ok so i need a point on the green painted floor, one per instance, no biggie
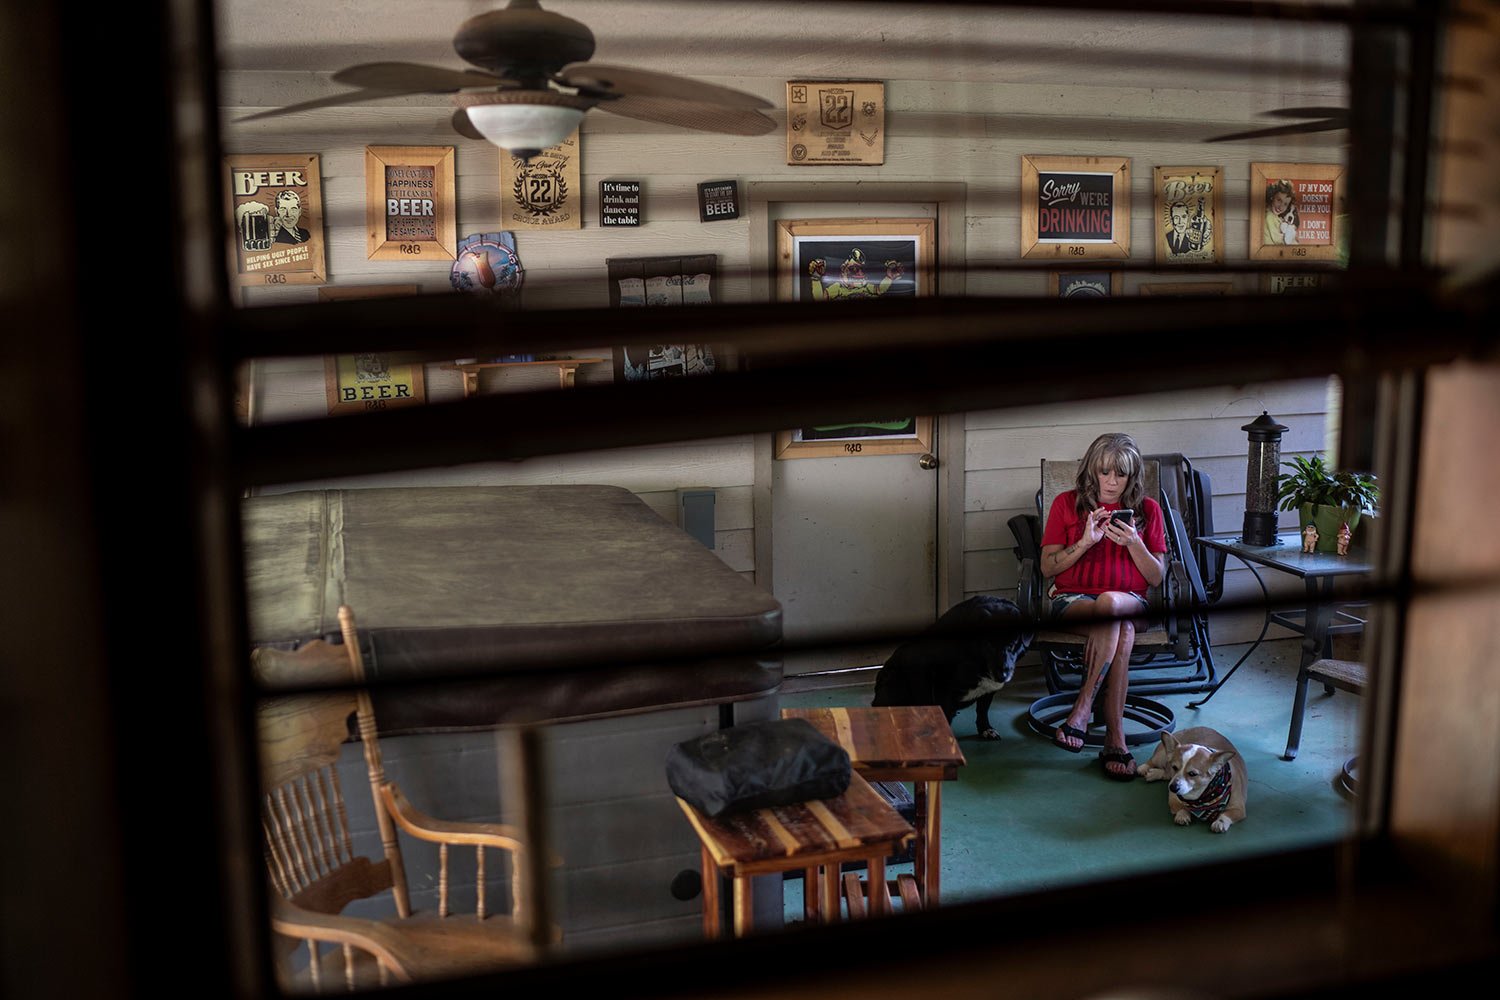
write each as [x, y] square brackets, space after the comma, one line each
[1024, 815]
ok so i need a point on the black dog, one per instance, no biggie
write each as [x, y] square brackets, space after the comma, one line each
[962, 659]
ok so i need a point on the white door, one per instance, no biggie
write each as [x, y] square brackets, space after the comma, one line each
[853, 538]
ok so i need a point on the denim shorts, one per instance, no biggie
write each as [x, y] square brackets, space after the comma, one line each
[1061, 602]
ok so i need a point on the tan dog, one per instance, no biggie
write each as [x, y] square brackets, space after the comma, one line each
[1206, 777]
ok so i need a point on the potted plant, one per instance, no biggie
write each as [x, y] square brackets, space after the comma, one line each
[1326, 499]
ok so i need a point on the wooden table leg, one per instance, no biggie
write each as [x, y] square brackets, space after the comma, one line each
[744, 905]
[919, 846]
[810, 895]
[880, 896]
[828, 894]
[710, 896]
[931, 837]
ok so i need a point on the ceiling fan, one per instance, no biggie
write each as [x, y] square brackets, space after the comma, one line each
[1324, 120]
[534, 82]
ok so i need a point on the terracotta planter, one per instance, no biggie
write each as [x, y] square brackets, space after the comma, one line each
[1327, 520]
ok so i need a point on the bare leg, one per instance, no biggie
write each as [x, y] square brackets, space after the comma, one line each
[1118, 678]
[1100, 640]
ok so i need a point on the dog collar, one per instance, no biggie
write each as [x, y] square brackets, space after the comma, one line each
[1214, 800]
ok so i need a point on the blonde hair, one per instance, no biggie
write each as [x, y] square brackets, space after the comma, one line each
[1111, 451]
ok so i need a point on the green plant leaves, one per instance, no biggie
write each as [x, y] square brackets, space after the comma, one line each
[1312, 481]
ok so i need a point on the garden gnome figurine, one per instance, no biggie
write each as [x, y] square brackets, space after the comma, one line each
[1344, 539]
[1310, 539]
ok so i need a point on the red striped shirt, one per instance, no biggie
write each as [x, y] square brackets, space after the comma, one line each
[1106, 566]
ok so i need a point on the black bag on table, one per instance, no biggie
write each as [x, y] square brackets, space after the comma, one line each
[756, 766]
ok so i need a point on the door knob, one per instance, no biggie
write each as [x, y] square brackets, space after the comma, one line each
[928, 461]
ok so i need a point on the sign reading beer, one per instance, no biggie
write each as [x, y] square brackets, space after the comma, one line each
[718, 200]
[1296, 211]
[543, 192]
[1189, 211]
[409, 212]
[1075, 207]
[276, 203]
[361, 383]
[830, 122]
[619, 203]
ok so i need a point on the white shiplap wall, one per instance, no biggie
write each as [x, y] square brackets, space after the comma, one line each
[944, 128]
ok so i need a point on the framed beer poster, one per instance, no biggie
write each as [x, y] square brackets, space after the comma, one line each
[1075, 207]
[409, 208]
[1084, 284]
[1296, 211]
[1189, 213]
[544, 192]
[361, 383]
[846, 260]
[276, 204]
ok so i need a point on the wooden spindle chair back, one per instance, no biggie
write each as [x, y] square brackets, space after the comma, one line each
[309, 854]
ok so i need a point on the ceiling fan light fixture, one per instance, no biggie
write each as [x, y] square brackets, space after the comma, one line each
[525, 121]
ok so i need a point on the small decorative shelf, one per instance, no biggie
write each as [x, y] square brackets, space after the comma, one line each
[566, 369]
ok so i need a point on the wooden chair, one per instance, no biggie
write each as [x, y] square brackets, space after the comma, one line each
[314, 872]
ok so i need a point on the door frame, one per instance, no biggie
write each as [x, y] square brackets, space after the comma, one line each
[951, 199]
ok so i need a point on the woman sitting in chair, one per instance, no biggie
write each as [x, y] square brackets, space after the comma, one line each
[1102, 549]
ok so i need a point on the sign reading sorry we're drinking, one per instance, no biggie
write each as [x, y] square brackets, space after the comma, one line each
[1075, 207]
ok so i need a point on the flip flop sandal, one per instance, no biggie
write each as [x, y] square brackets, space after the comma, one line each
[1118, 757]
[1073, 733]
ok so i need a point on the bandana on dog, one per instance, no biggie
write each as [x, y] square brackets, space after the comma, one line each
[1213, 801]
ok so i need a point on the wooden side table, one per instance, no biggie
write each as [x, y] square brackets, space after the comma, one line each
[900, 743]
[858, 825]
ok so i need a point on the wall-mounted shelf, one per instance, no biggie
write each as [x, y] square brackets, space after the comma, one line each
[566, 369]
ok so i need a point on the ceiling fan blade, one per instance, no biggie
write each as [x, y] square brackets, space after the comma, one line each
[332, 101]
[1327, 125]
[690, 114]
[633, 82]
[464, 127]
[413, 78]
[1309, 112]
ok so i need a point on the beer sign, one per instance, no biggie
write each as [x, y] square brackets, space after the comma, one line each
[1189, 214]
[544, 192]
[365, 383]
[835, 123]
[1075, 207]
[409, 203]
[276, 210]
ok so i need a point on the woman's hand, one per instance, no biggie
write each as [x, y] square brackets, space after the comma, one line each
[1121, 532]
[1094, 528]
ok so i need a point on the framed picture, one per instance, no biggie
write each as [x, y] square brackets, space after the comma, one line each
[1075, 207]
[276, 207]
[1296, 211]
[1084, 284]
[663, 281]
[840, 260]
[360, 383]
[1189, 215]
[1188, 288]
[409, 206]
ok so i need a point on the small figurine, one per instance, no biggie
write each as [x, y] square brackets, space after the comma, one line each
[1344, 539]
[1310, 538]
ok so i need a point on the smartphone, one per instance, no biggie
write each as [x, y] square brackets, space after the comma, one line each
[1122, 515]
